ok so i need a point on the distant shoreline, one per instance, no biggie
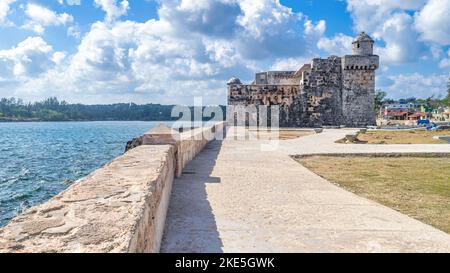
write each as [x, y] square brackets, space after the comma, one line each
[12, 120]
[7, 120]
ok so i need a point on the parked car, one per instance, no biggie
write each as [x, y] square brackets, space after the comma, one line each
[423, 122]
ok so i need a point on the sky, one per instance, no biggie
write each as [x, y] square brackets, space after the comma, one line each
[168, 51]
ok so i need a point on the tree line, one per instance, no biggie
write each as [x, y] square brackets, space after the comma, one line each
[432, 101]
[51, 109]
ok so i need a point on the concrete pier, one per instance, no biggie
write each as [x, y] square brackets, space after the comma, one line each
[236, 198]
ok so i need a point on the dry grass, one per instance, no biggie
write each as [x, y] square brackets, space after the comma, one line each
[404, 137]
[416, 186]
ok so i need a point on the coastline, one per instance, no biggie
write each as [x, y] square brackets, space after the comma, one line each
[10, 120]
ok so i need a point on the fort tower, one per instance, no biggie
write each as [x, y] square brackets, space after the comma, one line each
[358, 83]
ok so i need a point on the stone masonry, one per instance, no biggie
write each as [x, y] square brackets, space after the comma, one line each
[328, 92]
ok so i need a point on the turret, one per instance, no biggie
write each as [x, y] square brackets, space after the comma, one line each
[363, 45]
[233, 81]
[358, 83]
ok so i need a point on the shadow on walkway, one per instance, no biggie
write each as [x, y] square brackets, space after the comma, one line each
[190, 224]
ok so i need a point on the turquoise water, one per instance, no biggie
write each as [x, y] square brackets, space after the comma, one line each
[37, 159]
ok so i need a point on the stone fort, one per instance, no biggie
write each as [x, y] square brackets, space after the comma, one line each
[327, 92]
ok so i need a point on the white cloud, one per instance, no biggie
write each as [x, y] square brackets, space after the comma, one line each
[181, 55]
[339, 45]
[416, 85]
[401, 40]
[70, 2]
[315, 30]
[5, 7]
[31, 57]
[390, 21]
[433, 21]
[41, 16]
[195, 45]
[213, 18]
[368, 15]
[444, 63]
[73, 2]
[112, 8]
[74, 31]
[271, 30]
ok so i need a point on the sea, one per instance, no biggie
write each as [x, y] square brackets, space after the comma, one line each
[38, 160]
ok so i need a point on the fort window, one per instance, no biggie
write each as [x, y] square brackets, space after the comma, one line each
[359, 45]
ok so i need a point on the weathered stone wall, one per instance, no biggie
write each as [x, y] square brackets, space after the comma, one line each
[358, 90]
[315, 103]
[322, 94]
[329, 92]
[258, 94]
[121, 207]
[277, 77]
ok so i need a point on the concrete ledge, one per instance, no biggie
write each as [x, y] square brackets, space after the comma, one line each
[121, 207]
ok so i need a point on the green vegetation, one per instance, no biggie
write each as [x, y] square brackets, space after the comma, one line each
[446, 101]
[380, 98]
[51, 109]
[416, 186]
[432, 102]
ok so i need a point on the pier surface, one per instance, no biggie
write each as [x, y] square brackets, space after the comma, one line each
[234, 197]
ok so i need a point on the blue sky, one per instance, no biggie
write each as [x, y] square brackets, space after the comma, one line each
[167, 51]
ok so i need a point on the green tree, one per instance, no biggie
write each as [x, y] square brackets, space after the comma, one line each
[380, 97]
[446, 100]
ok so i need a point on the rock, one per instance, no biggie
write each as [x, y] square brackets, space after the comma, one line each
[133, 143]
[351, 138]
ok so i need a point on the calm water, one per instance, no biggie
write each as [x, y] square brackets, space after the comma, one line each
[37, 158]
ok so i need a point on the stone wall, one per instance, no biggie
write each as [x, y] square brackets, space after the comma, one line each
[329, 92]
[277, 77]
[120, 207]
[258, 94]
[358, 90]
[315, 100]
[322, 104]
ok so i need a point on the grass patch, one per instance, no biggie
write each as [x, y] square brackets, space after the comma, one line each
[403, 137]
[416, 186]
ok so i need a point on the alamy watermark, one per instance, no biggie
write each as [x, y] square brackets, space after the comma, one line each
[244, 122]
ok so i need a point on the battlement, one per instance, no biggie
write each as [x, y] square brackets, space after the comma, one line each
[358, 62]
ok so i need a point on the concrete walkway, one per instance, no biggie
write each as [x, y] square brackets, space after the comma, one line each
[236, 198]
